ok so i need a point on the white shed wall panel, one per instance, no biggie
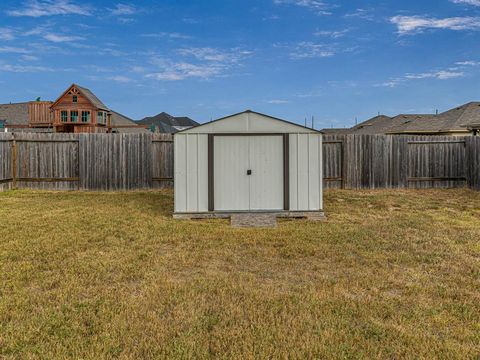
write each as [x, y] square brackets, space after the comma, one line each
[305, 172]
[191, 172]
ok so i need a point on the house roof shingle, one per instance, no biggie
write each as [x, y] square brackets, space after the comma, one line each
[92, 98]
[458, 119]
[14, 114]
[122, 120]
[168, 123]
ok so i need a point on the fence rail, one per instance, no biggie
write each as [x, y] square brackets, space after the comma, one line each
[145, 161]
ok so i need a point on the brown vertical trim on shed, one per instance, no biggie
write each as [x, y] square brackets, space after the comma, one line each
[286, 171]
[211, 199]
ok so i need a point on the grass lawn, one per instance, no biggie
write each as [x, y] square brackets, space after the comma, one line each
[391, 274]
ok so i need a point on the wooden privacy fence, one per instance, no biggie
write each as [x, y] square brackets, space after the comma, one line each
[86, 161]
[382, 161]
[145, 161]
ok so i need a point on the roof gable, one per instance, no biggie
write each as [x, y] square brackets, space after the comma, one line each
[470, 115]
[90, 96]
[248, 122]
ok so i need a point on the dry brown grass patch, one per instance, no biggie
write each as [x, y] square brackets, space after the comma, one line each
[391, 274]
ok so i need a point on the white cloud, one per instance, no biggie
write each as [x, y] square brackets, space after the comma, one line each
[112, 52]
[320, 7]
[168, 35]
[415, 24]
[38, 30]
[468, 63]
[38, 8]
[123, 9]
[183, 70]
[277, 102]
[332, 34]
[23, 69]
[202, 63]
[138, 69]
[14, 50]
[29, 58]
[446, 74]
[440, 75]
[120, 79]
[365, 14]
[309, 50]
[7, 34]
[214, 55]
[467, 2]
[61, 38]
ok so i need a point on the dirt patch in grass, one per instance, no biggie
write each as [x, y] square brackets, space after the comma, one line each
[391, 274]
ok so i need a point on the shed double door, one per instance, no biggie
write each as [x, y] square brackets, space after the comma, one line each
[248, 173]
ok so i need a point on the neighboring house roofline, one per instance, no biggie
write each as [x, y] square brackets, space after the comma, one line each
[407, 132]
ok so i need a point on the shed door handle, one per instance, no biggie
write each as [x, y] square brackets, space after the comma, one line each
[249, 172]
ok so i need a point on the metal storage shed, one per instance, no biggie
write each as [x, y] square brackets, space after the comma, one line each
[248, 162]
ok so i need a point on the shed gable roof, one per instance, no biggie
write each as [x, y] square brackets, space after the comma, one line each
[249, 122]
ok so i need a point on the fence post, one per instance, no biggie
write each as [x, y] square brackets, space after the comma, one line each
[14, 162]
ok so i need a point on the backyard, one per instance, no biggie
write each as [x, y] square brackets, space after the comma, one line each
[391, 274]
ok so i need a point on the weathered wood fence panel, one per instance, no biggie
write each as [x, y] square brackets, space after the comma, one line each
[332, 162]
[46, 161]
[115, 162]
[6, 167]
[438, 162]
[380, 161]
[162, 155]
[473, 162]
[145, 161]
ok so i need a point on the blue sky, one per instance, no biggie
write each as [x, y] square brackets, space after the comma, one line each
[334, 60]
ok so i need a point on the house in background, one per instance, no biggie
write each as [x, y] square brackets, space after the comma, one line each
[166, 123]
[460, 121]
[77, 110]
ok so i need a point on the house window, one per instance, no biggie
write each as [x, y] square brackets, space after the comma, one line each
[75, 98]
[73, 116]
[85, 116]
[100, 119]
[64, 116]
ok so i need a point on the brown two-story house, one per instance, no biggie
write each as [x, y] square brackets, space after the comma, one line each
[78, 110]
